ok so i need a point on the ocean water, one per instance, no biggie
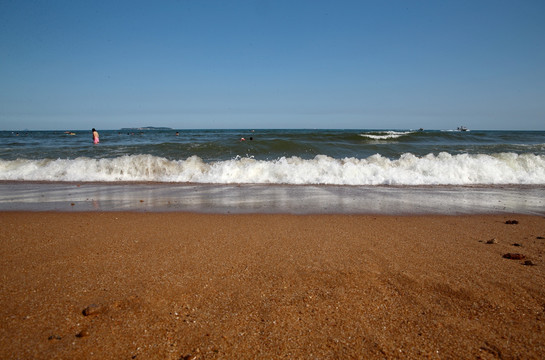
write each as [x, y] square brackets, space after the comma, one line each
[278, 171]
[292, 157]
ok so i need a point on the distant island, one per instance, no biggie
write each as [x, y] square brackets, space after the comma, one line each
[146, 128]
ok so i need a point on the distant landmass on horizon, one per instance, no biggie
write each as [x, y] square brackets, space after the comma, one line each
[147, 128]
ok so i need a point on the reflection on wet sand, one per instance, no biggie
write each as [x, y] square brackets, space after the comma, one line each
[271, 198]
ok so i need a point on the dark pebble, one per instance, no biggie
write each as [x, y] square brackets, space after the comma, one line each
[92, 309]
[492, 241]
[514, 256]
[54, 337]
[528, 263]
[82, 333]
[517, 244]
[512, 222]
[540, 237]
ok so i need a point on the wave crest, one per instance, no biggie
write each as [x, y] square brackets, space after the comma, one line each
[386, 135]
[408, 169]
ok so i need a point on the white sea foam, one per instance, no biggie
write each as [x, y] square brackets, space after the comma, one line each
[440, 169]
[385, 135]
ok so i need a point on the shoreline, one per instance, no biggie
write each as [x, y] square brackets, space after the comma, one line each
[190, 285]
[292, 199]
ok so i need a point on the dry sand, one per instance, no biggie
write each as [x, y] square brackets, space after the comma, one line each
[183, 286]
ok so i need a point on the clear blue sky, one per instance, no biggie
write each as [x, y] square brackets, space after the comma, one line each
[272, 64]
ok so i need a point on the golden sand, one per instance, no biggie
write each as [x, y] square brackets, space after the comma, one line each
[184, 286]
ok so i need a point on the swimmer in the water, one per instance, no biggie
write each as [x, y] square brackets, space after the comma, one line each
[95, 136]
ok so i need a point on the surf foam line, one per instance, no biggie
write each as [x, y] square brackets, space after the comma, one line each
[385, 135]
[440, 169]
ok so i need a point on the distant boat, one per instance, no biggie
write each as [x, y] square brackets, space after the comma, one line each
[462, 128]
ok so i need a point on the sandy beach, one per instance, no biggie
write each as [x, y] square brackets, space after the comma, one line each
[122, 285]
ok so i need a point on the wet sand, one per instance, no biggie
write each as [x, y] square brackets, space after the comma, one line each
[187, 285]
[270, 198]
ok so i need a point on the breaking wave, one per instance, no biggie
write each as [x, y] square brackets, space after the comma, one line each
[385, 135]
[408, 169]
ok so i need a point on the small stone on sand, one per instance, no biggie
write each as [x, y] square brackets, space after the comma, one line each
[82, 333]
[514, 256]
[92, 309]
